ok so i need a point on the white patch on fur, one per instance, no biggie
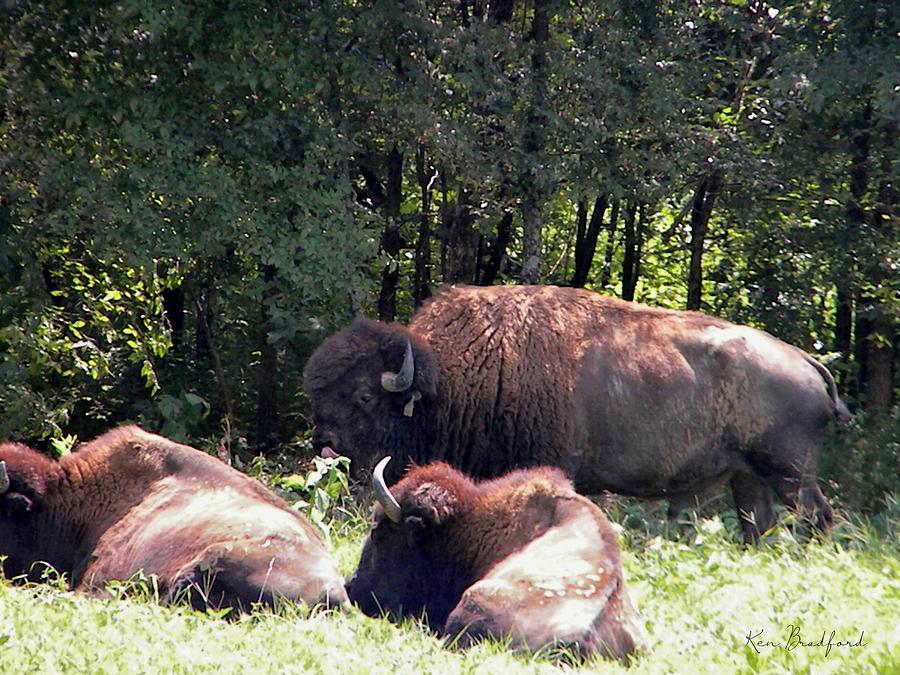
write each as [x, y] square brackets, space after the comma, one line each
[550, 588]
[227, 511]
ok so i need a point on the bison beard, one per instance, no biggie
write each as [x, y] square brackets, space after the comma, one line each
[522, 557]
[622, 397]
[132, 502]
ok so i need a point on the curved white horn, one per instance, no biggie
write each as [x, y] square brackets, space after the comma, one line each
[4, 478]
[402, 379]
[383, 495]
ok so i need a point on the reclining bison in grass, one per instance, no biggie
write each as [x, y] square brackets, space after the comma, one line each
[131, 501]
[623, 397]
[521, 557]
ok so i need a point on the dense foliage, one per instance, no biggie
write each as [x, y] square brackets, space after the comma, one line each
[194, 194]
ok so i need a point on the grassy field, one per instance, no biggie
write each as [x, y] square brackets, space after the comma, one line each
[710, 606]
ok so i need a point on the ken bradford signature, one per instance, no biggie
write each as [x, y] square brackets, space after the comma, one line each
[795, 640]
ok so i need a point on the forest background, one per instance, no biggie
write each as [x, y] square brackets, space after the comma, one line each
[194, 195]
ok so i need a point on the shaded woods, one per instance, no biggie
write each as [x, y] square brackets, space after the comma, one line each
[193, 197]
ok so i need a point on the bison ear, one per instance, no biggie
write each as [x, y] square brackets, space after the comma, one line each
[15, 503]
[434, 503]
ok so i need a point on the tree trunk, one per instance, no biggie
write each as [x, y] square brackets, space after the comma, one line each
[531, 241]
[173, 311]
[610, 249]
[204, 331]
[882, 344]
[391, 241]
[535, 131]
[425, 175]
[876, 330]
[488, 272]
[631, 262]
[267, 377]
[202, 302]
[843, 321]
[701, 210]
[460, 250]
[879, 356]
[586, 239]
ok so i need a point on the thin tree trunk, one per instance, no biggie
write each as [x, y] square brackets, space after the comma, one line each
[531, 241]
[391, 241]
[497, 251]
[879, 350]
[444, 232]
[204, 330]
[882, 342]
[533, 198]
[876, 332]
[606, 272]
[885, 349]
[173, 311]
[632, 256]
[586, 239]
[267, 377]
[701, 210]
[460, 250]
[425, 175]
[202, 340]
[843, 321]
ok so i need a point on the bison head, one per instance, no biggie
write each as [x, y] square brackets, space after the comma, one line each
[24, 478]
[413, 563]
[372, 388]
[24, 475]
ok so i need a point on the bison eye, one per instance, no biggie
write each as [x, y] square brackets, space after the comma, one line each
[364, 398]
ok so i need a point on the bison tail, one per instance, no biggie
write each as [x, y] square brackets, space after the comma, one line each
[841, 413]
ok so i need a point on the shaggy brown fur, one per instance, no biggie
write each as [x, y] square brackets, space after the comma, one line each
[131, 501]
[522, 556]
[622, 397]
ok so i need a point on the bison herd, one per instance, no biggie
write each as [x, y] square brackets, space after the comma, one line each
[501, 407]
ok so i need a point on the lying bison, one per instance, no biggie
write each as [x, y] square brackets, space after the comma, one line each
[522, 556]
[622, 397]
[132, 501]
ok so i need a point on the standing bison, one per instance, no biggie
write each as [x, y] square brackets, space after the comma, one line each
[131, 501]
[522, 556]
[623, 397]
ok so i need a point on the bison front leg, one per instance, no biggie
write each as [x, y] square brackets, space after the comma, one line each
[753, 503]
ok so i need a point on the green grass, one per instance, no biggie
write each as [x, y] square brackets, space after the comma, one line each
[700, 591]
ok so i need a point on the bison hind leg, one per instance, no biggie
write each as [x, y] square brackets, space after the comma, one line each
[792, 475]
[753, 503]
[803, 495]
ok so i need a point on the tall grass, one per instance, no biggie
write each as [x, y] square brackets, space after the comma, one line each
[711, 605]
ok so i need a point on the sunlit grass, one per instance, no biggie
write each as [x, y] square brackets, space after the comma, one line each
[701, 592]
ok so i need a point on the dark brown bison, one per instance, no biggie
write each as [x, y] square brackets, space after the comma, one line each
[131, 501]
[522, 556]
[622, 397]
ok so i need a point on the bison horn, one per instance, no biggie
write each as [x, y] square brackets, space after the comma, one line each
[382, 494]
[4, 478]
[402, 380]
